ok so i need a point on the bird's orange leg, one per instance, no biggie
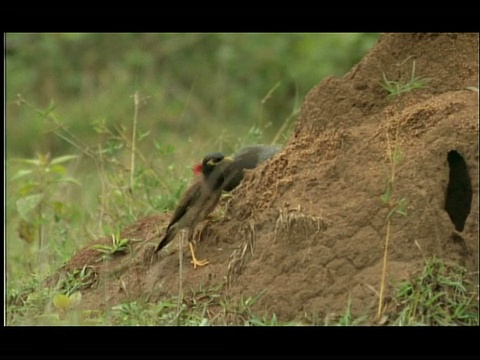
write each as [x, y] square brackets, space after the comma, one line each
[195, 261]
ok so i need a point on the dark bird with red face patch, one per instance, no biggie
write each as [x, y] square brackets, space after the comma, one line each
[246, 158]
[197, 202]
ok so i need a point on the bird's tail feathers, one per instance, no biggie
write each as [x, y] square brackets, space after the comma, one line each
[165, 240]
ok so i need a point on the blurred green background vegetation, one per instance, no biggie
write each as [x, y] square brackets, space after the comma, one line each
[207, 87]
[72, 94]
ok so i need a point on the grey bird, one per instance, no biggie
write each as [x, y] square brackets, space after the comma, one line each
[248, 157]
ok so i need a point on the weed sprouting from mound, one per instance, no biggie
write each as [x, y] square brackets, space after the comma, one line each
[439, 295]
[396, 88]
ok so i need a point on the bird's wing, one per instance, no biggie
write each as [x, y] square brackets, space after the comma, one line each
[184, 205]
[196, 203]
[186, 201]
[217, 178]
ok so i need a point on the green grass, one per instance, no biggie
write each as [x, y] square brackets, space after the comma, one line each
[347, 319]
[440, 295]
[196, 308]
[118, 245]
[396, 88]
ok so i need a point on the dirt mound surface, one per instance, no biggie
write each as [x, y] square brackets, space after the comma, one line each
[308, 226]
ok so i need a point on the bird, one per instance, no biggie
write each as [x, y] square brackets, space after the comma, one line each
[248, 157]
[197, 202]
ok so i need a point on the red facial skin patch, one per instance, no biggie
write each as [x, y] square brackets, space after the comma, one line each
[197, 169]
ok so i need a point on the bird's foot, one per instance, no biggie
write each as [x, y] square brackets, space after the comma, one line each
[197, 262]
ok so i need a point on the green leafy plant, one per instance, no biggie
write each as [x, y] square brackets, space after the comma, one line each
[76, 280]
[127, 191]
[395, 88]
[347, 319]
[119, 245]
[239, 310]
[395, 207]
[37, 204]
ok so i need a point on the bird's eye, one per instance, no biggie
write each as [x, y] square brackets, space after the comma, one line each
[213, 159]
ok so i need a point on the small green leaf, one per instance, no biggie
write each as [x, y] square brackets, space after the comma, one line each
[169, 149]
[83, 272]
[27, 189]
[61, 302]
[66, 179]
[75, 299]
[26, 231]
[102, 248]
[397, 155]
[401, 212]
[59, 208]
[27, 204]
[99, 125]
[35, 162]
[62, 159]
[164, 150]
[20, 174]
[401, 207]
[390, 213]
[58, 169]
[44, 159]
[141, 135]
[124, 242]
[388, 193]
[47, 112]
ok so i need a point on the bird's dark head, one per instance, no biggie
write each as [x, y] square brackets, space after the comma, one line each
[210, 161]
